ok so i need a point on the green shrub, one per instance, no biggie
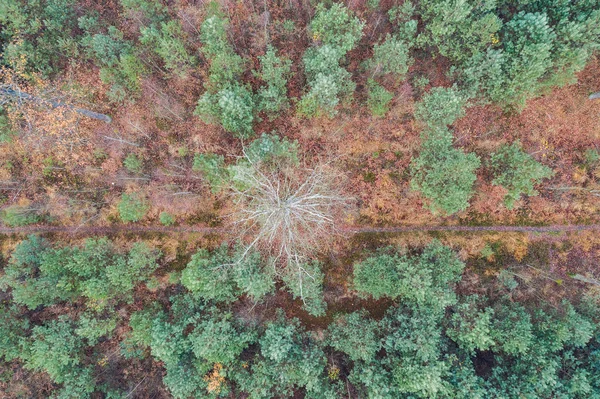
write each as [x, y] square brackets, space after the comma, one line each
[133, 163]
[517, 171]
[379, 99]
[212, 167]
[183, 151]
[132, 207]
[7, 134]
[166, 219]
[591, 156]
[18, 215]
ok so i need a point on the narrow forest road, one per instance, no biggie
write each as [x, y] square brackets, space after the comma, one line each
[122, 228]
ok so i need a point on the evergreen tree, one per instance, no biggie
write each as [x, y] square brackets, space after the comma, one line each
[120, 65]
[471, 327]
[209, 275]
[517, 171]
[459, 29]
[274, 72]
[338, 32]
[13, 327]
[305, 282]
[441, 107]
[39, 275]
[168, 41]
[443, 174]
[422, 280]
[38, 35]
[356, 335]
[56, 349]
[225, 101]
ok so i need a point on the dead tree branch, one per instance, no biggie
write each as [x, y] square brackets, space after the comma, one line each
[8, 92]
[289, 211]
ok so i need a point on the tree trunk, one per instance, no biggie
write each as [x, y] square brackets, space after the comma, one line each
[54, 104]
[595, 96]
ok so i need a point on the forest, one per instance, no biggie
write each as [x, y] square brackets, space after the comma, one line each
[362, 199]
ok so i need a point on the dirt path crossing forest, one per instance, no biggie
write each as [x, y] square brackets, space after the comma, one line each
[114, 229]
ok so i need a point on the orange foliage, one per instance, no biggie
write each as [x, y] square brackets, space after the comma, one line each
[215, 379]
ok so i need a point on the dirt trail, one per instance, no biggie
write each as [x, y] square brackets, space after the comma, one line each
[114, 229]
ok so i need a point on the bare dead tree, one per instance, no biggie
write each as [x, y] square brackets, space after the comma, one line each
[289, 212]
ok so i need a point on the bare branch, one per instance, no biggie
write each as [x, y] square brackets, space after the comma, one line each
[289, 211]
